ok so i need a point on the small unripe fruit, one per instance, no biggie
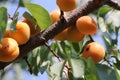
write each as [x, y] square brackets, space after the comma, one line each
[94, 50]
[86, 25]
[66, 5]
[74, 35]
[9, 50]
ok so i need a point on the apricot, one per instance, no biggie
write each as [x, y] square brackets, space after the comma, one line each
[61, 36]
[94, 50]
[66, 5]
[74, 35]
[34, 28]
[55, 15]
[21, 34]
[9, 50]
[86, 25]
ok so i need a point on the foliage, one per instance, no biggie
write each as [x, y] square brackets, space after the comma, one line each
[71, 65]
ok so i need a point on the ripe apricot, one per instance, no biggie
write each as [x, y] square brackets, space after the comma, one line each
[66, 5]
[74, 35]
[61, 36]
[34, 28]
[55, 15]
[86, 25]
[94, 50]
[21, 34]
[9, 50]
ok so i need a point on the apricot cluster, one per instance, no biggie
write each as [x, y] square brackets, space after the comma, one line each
[9, 47]
[85, 25]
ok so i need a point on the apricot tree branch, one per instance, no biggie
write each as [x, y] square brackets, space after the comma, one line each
[113, 4]
[56, 28]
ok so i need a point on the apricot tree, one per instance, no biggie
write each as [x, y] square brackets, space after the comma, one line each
[73, 58]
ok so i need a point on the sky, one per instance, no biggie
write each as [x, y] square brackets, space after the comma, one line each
[49, 5]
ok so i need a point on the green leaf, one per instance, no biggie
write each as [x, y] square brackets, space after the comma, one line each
[91, 71]
[3, 21]
[116, 72]
[106, 73]
[22, 3]
[78, 68]
[40, 14]
[76, 47]
[57, 70]
[30, 19]
[103, 10]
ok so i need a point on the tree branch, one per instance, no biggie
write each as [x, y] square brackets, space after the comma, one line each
[56, 28]
[114, 4]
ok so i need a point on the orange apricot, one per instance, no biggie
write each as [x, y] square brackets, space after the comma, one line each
[55, 15]
[61, 36]
[86, 25]
[34, 28]
[94, 50]
[74, 35]
[66, 5]
[21, 34]
[9, 50]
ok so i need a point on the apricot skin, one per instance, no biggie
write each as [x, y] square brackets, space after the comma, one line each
[21, 34]
[94, 50]
[34, 28]
[86, 25]
[55, 15]
[9, 50]
[74, 35]
[66, 5]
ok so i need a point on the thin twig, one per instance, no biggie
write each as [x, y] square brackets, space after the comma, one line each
[15, 11]
[91, 38]
[107, 61]
[54, 53]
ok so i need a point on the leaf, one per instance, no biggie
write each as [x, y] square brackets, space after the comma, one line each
[3, 21]
[57, 70]
[117, 73]
[40, 14]
[76, 47]
[22, 3]
[30, 19]
[107, 41]
[103, 10]
[102, 24]
[91, 71]
[78, 68]
[105, 72]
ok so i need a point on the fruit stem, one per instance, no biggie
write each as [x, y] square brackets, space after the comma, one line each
[91, 38]
[61, 14]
